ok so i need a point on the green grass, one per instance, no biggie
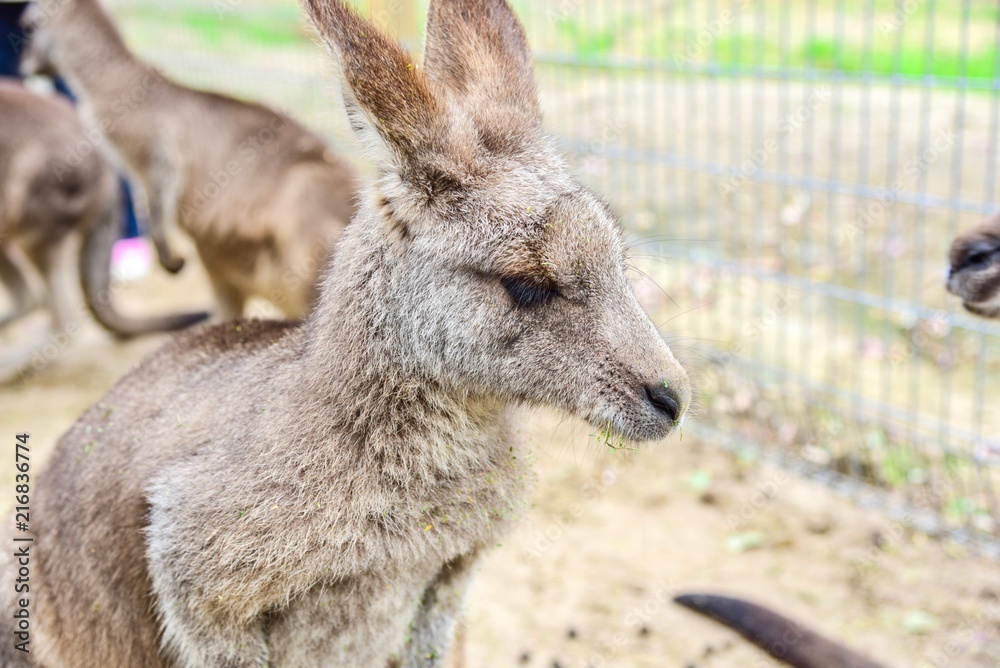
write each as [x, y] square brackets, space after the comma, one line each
[849, 42]
[212, 27]
[258, 31]
[585, 42]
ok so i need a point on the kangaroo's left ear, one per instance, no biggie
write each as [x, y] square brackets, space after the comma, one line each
[390, 103]
[478, 52]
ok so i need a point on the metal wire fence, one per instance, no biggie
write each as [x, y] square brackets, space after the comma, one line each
[791, 175]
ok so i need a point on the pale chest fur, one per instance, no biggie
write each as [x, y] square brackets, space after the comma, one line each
[459, 508]
[398, 545]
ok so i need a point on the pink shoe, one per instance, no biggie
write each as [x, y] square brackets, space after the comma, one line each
[131, 259]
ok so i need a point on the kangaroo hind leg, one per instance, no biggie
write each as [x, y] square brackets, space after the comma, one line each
[17, 285]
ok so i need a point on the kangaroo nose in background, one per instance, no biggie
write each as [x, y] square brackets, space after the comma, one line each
[664, 400]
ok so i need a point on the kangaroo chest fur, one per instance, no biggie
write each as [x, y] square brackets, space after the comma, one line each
[371, 552]
[403, 548]
[330, 550]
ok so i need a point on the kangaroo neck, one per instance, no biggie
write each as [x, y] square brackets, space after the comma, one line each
[359, 364]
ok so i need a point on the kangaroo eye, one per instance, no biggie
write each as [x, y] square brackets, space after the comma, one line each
[528, 294]
[979, 255]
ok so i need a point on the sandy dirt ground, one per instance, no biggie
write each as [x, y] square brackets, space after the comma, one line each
[612, 536]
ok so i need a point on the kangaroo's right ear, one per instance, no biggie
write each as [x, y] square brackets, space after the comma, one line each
[390, 103]
[477, 50]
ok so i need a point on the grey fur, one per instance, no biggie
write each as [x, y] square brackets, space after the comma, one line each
[318, 494]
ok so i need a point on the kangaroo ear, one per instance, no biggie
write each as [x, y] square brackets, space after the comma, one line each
[390, 103]
[477, 50]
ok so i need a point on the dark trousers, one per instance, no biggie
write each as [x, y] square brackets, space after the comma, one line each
[12, 37]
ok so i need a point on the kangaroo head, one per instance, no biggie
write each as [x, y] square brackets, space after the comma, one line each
[39, 52]
[67, 35]
[509, 275]
[975, 269]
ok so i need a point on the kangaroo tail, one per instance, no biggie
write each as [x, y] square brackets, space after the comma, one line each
[779, 636]
[95, 275]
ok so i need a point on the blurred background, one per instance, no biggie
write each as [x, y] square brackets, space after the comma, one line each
[790, 175]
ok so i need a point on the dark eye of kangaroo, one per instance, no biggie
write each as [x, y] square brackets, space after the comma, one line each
[979, 256]
[528, 294]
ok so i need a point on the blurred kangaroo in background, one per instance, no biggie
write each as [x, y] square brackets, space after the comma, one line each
[59, 217]
[263, 198]
[975, 268]
[265, 493]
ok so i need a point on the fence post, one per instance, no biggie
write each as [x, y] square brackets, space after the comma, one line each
[398, 17]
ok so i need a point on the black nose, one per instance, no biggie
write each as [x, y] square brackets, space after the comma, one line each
[664, 400]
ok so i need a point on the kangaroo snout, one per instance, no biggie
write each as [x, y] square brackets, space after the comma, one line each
[664, 400]
[667, 398]
[650, 390]
[974, 268]
[666, 390]
[653, 411]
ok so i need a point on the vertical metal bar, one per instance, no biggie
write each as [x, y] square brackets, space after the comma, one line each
[734, 241]
[947, 384]
[691, 123]
[677, 104]
[612, 21]
[807, 253]
[713, 113]
[760, 104]
[660, 122]
[835, 139]
[648, 136]
[714, 230]
[919, 244]
[862, 455]
[784, 147]
[887, 375]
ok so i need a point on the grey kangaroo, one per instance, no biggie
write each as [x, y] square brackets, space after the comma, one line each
[49, 210]
[263, 198]
[975, 268]
[266, 493]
